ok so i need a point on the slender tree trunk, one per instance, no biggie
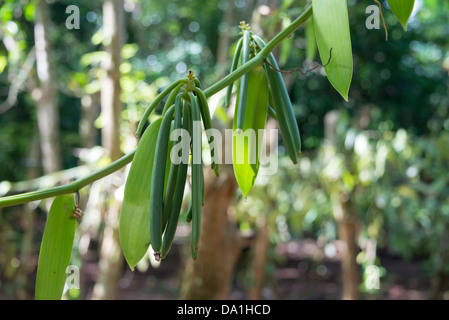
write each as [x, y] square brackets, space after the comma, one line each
[89, 112]
[28, 222]
[111, 259]
[46, 94]
[225, 37]
[259, 260]
[257, 270]
[210, 277]
[111, 106]
[347, 221]
[439, 279]
[438, 283]
[350, 270]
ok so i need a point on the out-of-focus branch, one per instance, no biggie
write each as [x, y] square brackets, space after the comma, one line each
[18, 82]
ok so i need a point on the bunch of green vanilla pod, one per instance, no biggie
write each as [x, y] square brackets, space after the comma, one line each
[155, 186]
[260, 92]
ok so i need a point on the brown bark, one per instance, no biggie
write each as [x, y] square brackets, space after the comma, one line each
[46, 94]
[225, 39]
[261, 244]
[210, 277]
[259, 261]
[111, 258]
[439, 279]
[347, 230]
[89, 112]
[347, 221]
[28, 219]
[111, 106]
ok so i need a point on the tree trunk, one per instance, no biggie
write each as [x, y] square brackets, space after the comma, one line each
[28, 220]
[439, 279]
[210, 277]
[347, 221]
[111, 258]
[225, 38]
[111, 106]
[89, 112]
[259, 261]
[46, 95]
[347, 230]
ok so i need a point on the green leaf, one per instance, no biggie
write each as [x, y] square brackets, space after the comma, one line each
[331, 25]
[134, 225]
[402, 9]
[247, 145]
[56, 249]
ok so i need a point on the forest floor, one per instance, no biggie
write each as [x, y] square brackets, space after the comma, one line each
[303, 273]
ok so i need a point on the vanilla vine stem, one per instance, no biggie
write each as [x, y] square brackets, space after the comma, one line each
[76, 185]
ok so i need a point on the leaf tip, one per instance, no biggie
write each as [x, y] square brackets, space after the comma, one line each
[404, 26]
[345, 94]
[131, 264]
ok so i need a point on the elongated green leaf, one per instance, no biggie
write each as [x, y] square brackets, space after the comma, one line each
[247, 145]
[331, 26]
[134, 225]
[56, 249]
[402, 9]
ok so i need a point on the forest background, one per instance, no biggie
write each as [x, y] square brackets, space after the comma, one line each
[368, 198]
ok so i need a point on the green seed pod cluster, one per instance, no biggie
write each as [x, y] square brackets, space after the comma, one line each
[154, 190]
[260, 92]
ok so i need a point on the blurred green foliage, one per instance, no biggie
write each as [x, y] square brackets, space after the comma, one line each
[390, 156]
[393, 166]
